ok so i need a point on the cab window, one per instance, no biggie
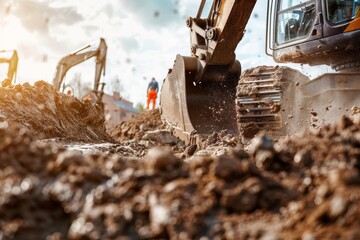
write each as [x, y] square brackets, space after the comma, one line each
[340, 11]
[295, 19]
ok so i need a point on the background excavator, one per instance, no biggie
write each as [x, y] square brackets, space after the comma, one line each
[80, 56]
[9, 57]
[204, 93]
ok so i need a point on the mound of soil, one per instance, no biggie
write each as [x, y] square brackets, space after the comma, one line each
[50, 114]
[137, 127]
[307, 187]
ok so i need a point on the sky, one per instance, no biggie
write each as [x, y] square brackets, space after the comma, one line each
[143, 38]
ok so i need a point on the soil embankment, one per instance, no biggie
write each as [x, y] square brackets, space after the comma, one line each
[49, 114]
[306, 187]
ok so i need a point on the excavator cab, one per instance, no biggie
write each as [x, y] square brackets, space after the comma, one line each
[314, 32]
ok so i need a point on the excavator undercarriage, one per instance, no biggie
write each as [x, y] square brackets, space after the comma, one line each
[281, 100]
[259, 99]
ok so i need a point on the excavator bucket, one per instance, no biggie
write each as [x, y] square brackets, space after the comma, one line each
[192, 109]
[198, 94]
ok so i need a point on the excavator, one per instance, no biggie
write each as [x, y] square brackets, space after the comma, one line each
[9, 57]
[80, 56]
[208, 92]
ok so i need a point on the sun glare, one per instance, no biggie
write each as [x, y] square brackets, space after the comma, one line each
[12, 33]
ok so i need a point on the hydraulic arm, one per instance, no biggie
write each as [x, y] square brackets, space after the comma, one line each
[11, 58]
[80, 56]
[197, 96]
[215, 38]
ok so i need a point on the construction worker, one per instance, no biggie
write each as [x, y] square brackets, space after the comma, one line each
[152, 91]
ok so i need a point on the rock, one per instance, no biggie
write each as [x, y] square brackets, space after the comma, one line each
[344, 123]
[69, 158]
[190, 150]
[244, 198]
[264, 159]
[248, 131]
[2, 116]
[228, 168]
[263, 142]
[159, 215]
[4, 124]
[162, 137]
[161, 159]
[337, 206]
[303, 158]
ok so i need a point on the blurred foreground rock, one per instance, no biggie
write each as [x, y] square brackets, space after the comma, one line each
[306, 187]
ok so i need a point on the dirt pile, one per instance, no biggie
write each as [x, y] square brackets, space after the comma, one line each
[50, 114]
[329, 161]
[138, 126]
[307, 187]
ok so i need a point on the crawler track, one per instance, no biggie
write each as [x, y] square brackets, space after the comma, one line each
[258, 99]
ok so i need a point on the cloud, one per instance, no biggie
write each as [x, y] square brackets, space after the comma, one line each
[148, 32]
[153, 13]
[108, 9]
[39, 16]
[90, 29]
[129, 43]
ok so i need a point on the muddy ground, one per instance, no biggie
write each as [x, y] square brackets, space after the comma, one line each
[149, 185]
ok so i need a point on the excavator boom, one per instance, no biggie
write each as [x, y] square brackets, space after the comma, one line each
[80, 56]
[10, 58]
[215, 38]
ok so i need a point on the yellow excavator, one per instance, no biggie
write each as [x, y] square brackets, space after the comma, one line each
[9, 57]
[206, 92]
[80, 56]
